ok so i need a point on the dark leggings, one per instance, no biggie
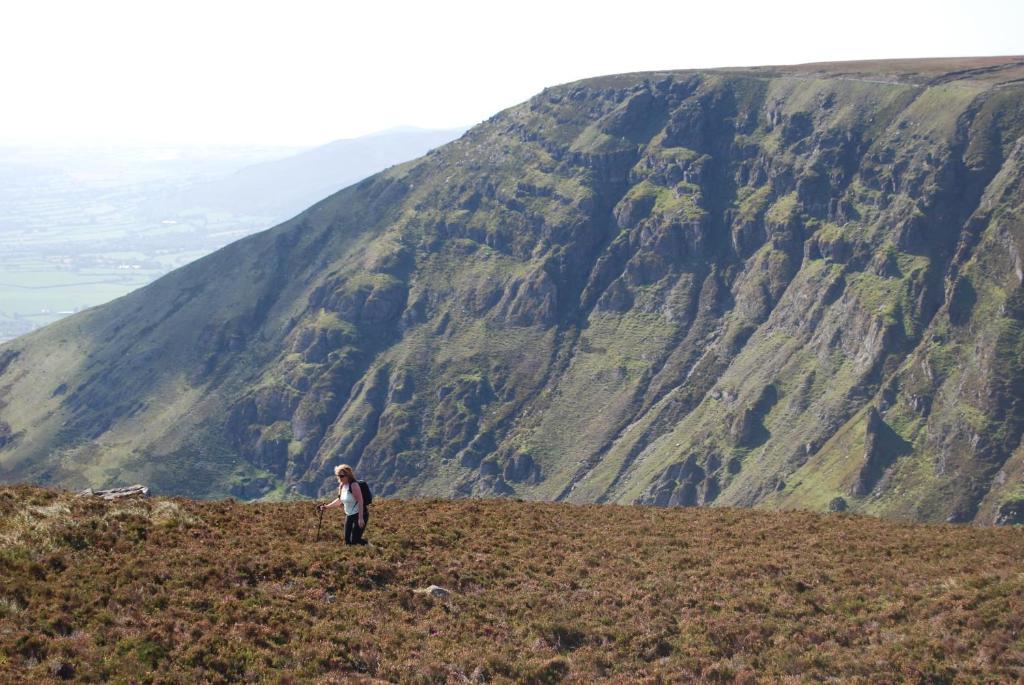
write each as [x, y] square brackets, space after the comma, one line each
[353, 533]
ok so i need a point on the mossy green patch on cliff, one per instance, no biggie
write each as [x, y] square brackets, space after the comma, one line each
[783, 209]
[673, 154]
[279, 430]
[936, 110]
[681, 201]
[595, 141]
[752, 202]
[880, 295]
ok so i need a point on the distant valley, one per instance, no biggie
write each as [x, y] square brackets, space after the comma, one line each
[81, 226]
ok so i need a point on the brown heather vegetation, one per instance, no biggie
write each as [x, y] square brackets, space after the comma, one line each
[172, 590]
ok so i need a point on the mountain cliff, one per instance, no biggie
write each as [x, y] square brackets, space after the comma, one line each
[779, 286]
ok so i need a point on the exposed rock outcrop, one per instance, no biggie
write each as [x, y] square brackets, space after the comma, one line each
[1010, 513]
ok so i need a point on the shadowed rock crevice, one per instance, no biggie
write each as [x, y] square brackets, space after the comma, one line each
[685, 484]
[6, 357]
[882, 447]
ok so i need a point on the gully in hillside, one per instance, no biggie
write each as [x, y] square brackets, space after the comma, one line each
[355, 498]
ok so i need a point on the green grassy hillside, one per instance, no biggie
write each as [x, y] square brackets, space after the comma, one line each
[781, 287]
[173, 590]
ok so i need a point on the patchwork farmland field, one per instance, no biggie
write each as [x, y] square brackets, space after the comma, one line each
[80, 227]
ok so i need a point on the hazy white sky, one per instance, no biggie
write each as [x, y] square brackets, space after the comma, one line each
[305, 72]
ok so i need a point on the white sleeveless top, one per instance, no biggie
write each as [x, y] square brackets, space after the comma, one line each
[348, 500]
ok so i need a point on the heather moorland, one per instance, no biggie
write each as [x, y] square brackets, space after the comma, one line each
[173, 590]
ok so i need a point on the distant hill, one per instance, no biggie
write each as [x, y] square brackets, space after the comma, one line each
[280, 189]
[172, 590]
[775, 287]
[82, 226]
[73, 229]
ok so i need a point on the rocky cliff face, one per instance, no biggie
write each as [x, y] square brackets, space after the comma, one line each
[779, 287]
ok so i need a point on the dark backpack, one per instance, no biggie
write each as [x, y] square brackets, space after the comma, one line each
[367, 495]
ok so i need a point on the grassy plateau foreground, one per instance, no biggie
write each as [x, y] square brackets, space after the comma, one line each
[173, 590]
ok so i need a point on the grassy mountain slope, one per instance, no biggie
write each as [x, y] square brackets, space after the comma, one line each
[172, 590]
[788, 286]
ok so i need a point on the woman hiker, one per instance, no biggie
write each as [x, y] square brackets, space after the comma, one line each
[350, 496]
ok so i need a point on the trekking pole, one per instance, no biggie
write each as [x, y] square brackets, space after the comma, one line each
[319, 521]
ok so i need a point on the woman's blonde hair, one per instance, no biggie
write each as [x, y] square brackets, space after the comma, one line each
[345, 470]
